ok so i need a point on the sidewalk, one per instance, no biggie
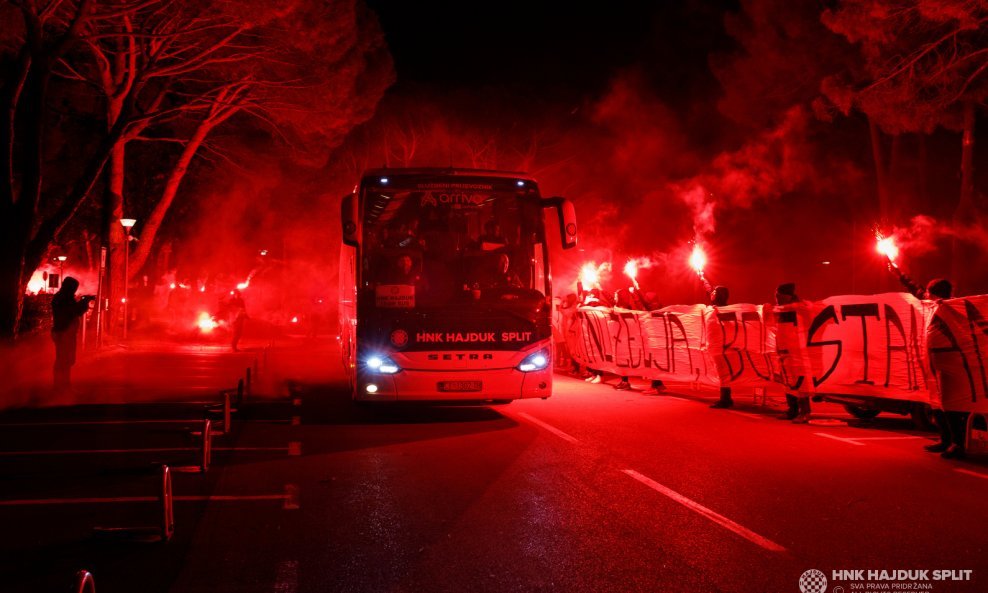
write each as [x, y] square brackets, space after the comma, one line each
[161, 370]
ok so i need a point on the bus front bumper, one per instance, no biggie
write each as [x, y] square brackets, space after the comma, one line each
[445, 386]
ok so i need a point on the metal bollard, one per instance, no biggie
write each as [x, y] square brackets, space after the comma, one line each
[167, 505]
[240, 393]
[247, 390]
[84, 582]
[207, 445]
[226, 412]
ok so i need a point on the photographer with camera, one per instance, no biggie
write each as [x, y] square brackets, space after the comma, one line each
[65, 312]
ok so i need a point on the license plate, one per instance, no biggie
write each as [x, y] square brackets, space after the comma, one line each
[460, 385]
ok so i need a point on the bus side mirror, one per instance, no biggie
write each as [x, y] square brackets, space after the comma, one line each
[566, 213]
[349, 218]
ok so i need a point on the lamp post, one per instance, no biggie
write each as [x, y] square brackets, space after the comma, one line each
[128, 223]
[61, 271]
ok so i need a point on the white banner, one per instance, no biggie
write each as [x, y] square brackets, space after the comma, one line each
[886, 346]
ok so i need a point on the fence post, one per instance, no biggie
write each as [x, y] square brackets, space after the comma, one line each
[167, 504]
[84, 582]
[207, 445]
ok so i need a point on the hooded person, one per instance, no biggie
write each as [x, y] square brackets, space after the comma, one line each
[65, 313]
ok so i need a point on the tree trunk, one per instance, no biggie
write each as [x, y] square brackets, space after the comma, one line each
[12, 283]
[148, 230]
[963, 255]
[881, 178]
[113, 232]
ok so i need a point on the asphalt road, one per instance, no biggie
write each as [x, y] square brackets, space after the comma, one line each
[590, 490]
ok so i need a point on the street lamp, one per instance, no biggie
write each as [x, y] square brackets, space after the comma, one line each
[61, 265]
[128, 223]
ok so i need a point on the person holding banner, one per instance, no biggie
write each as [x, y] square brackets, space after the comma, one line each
[798, 405]
[719, 296]
[952, 425]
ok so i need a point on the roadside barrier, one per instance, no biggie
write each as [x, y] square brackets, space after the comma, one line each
[84, 582]
[163, 531]
[205, 449]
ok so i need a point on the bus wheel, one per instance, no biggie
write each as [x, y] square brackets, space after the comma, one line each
[922, 417]
[861, 413]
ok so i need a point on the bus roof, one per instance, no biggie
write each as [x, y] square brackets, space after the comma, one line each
[450, 171]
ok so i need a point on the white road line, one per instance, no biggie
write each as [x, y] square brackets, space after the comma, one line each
[713, 516]
[291, 497]
[747, 415]
[971, 473]
[125, 499]
[152, 450]
[837, 438]
[899, 438]
[286, 579]
[550, 428]
[676, 397]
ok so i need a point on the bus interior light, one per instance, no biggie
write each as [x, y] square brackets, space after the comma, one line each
[534, 362]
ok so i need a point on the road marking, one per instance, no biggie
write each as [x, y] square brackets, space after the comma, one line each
[971, 473]
[153, 450]
[837, 438]
[713, 516]
[746, 414]
[291, 497]
[550, 428]
[125, 499]
[899, 438]
[682, 399]
[286, 579]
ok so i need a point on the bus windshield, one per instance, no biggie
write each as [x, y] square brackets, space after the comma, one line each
[451, 243]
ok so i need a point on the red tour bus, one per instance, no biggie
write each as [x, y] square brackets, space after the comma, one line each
[445, 291]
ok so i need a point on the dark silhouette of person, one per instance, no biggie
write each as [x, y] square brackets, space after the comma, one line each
[719, 297]
[797, 406]
[236, 310]
[65, 313]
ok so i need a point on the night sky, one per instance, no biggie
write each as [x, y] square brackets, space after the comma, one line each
[560, 50]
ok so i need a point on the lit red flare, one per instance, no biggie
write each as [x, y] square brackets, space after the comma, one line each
[589, 276]
[698, 259]
[887, 247]
[206, 322]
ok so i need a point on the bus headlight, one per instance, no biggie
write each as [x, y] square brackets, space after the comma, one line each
[382, 364]
[535, 361]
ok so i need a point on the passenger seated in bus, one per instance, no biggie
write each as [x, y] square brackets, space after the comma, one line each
[403, 272]
[491, 238]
